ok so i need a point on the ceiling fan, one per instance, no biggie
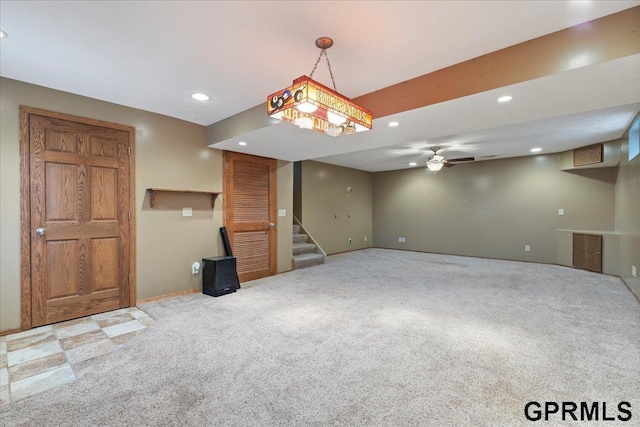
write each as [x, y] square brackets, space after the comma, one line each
[437, 162]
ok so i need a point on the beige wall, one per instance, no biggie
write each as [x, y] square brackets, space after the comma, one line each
[285, 223]
[628, 215]
[170, 153]
[491, 208]
[330, 214]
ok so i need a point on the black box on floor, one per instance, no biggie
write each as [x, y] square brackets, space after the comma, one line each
[219, 276]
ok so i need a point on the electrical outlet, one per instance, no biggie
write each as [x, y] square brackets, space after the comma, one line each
[350, 240]
[195, 268]
[527, 248]
[401, 239]
[561, 212]
[365, 238]
[187, 212]
[633, 271]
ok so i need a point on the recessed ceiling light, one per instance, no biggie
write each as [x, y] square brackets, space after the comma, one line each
[242, 143]
[393, 124]
[505, 98]
[200, 97]
[536, 150]
[2, 34]
[413, 164]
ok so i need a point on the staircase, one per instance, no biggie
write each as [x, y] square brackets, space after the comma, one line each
[305, 253]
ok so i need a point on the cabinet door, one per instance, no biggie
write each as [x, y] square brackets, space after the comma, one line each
[588, 155]
[587, 251]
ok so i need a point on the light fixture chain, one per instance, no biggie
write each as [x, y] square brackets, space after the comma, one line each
[330, 72]
[316, 64]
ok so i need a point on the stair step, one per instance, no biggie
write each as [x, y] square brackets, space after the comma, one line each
[303, 248]
[307, 260]
[300, 238]
[296, 229]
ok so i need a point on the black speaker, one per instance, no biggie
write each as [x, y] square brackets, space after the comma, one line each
[219, 276]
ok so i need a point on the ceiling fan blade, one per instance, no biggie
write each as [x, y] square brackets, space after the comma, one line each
[462, 159]
[449, 165]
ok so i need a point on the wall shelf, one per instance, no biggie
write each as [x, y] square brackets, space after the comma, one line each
[154, 191]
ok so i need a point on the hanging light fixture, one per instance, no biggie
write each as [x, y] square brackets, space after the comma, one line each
[313, 106]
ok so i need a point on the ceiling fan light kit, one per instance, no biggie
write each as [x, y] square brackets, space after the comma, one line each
[311, 105]
[437, 162]
[435, 167]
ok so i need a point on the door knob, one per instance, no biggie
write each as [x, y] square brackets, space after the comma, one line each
[272, 224]
[40, 231]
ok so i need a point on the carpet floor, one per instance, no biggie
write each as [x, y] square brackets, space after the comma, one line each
[373, 337]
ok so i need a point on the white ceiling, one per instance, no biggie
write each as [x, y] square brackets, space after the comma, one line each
[557, 113]
[152, 55]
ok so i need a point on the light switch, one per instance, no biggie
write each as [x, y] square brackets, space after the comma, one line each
[561, 212]
[187, 212]
[282, 212]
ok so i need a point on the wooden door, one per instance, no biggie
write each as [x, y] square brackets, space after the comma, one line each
[587, 251]
[250, 213]
[79, 219]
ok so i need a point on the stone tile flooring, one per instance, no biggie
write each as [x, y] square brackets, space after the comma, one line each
[50, 356]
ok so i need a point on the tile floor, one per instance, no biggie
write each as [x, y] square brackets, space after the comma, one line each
[50, 356]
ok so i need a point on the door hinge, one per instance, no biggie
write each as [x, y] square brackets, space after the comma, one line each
[129, 279]
[129, 215]
[129, 150]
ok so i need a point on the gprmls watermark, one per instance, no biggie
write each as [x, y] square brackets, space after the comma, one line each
[577, 411]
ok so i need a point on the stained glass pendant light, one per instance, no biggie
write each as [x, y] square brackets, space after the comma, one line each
[311, 105]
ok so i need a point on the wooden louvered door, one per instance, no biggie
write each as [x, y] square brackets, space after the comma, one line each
[250, 213]
[80, 230]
